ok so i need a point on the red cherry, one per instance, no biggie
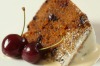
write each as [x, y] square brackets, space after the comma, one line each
[13, 45]
[31, 53]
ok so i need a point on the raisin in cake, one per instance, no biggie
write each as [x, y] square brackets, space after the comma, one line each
[57, 19]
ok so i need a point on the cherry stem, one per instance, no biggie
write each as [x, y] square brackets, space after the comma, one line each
[23, 8]
[53, 45]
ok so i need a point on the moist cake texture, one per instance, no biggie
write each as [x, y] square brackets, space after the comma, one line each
[57, 19]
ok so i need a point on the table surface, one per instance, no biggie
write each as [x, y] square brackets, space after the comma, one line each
[11, 15]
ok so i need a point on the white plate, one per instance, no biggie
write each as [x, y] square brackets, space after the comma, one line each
[90, 59]
[11, 21]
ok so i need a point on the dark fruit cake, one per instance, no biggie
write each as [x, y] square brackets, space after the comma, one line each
[59, 20]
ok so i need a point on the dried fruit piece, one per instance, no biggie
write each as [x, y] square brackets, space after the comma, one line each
[83, 19]
[52, 17]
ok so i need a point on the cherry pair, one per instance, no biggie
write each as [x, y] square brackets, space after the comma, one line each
[16, 46]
